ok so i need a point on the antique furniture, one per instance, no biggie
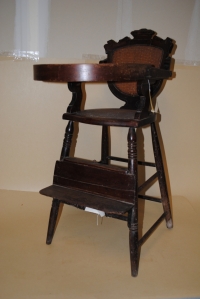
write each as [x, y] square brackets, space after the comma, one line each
[135, 70]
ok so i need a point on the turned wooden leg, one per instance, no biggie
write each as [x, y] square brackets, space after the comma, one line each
[133, 213]
[56, 203]
[161, 177]
[52, 220]
[67, 140]
[75, 88]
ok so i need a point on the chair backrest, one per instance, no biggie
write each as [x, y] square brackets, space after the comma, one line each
[145, 48]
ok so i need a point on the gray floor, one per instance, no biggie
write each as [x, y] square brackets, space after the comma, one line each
[90, 261]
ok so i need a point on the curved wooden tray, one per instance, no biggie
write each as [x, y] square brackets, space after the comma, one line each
[92, 72]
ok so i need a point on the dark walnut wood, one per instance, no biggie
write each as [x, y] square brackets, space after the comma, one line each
[93, 177]
[144, 47]
[110, 117]
[97, 72]
[82, 199]
[135, 70]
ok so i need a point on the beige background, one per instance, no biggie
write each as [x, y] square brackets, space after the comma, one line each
[31, 125]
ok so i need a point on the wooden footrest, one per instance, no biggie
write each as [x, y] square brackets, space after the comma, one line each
[107, 181]
[83, 199]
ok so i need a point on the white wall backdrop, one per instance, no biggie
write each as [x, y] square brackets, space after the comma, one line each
[192, 49]
[66, 29]
[31, 28]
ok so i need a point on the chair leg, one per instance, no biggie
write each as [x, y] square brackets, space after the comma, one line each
[133, 240]
[161, 177]
[133, 213]
[52, 220]
[67, 140]
[56, 203]
[104, 145]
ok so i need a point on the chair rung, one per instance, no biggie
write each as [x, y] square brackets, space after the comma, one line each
[151, 198]
[150, 231]
[117, 159]
[126, 160]
[147, 182]
[147, 163]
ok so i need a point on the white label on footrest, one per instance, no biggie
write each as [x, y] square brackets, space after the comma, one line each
[100, 213]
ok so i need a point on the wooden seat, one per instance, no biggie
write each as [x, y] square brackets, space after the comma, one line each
[110, 117]
[135, 69]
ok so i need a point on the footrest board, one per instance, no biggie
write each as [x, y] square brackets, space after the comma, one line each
[108, 181]
[82, 199]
